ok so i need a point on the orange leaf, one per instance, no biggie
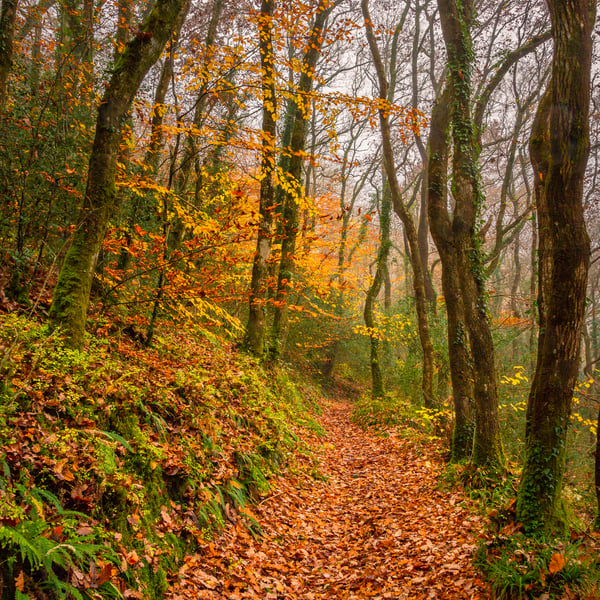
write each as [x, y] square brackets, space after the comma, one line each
[105, 574]
[557, 562]
[20, 581]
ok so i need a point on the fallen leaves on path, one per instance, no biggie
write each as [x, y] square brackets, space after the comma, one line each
[376, 528]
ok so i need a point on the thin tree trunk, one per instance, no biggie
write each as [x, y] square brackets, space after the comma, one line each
[559, 149]
[377, 388]
[423, 225]
[190, 159]
[72, 292]
[298, 116]
[405, 216]
[440, 224]
[8, 18]
[257, 316]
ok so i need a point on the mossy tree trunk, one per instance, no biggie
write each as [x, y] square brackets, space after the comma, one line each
[72, 292]
[559, 148]
[298, 113]
[401, 210]
[377, 389]
[257, 317]
[440, 222]
[456, 19]
[8, 18]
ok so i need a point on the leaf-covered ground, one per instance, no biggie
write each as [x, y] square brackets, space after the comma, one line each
[374, 526]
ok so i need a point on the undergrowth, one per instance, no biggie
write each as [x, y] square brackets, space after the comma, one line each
[517, 566]
[118, 460]
[412, 421]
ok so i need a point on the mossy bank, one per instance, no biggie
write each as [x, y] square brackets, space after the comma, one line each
[116, 460]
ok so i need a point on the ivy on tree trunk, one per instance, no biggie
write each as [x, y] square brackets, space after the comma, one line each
[456, 18]
[440, 222]
[559, 148]
[378, 390]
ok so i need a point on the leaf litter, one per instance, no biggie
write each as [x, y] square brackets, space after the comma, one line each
[373, 525]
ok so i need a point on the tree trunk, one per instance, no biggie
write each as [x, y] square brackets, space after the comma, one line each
[72, 292]
[405, 216]
[298, 114]
[559, 148]
[190, 159]
[423, 225]
[456, 22]
[257, 317]
[8, 18]
[378, 390]
[597, 471]
[441, 230]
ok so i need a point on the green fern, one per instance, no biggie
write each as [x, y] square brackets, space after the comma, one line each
[30, 545]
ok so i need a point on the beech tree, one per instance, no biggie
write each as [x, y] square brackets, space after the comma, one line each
[457, 20]
[72, 292]
[294, 142]
[401, 210]
[559, 148]
[257, 315]
[445, 226]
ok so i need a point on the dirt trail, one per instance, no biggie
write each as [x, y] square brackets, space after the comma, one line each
[376, 528]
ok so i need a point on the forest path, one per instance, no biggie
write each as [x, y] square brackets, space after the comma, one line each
[376, 528]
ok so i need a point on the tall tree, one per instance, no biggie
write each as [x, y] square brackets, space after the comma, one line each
[402, 211]
[440, 220]
[71, 295]
[294, 143]
[257, 317]
[443, 229]
[559, 148]
[457, 20]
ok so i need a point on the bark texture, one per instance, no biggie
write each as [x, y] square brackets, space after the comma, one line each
[257, 316]
[456, 19]
[440, 223]
[72, 292]
[559, 148]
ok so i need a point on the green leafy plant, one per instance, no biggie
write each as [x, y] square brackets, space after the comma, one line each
[47, 548]
[519, 567]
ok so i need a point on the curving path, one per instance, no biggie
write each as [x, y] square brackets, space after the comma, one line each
[377, 528]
